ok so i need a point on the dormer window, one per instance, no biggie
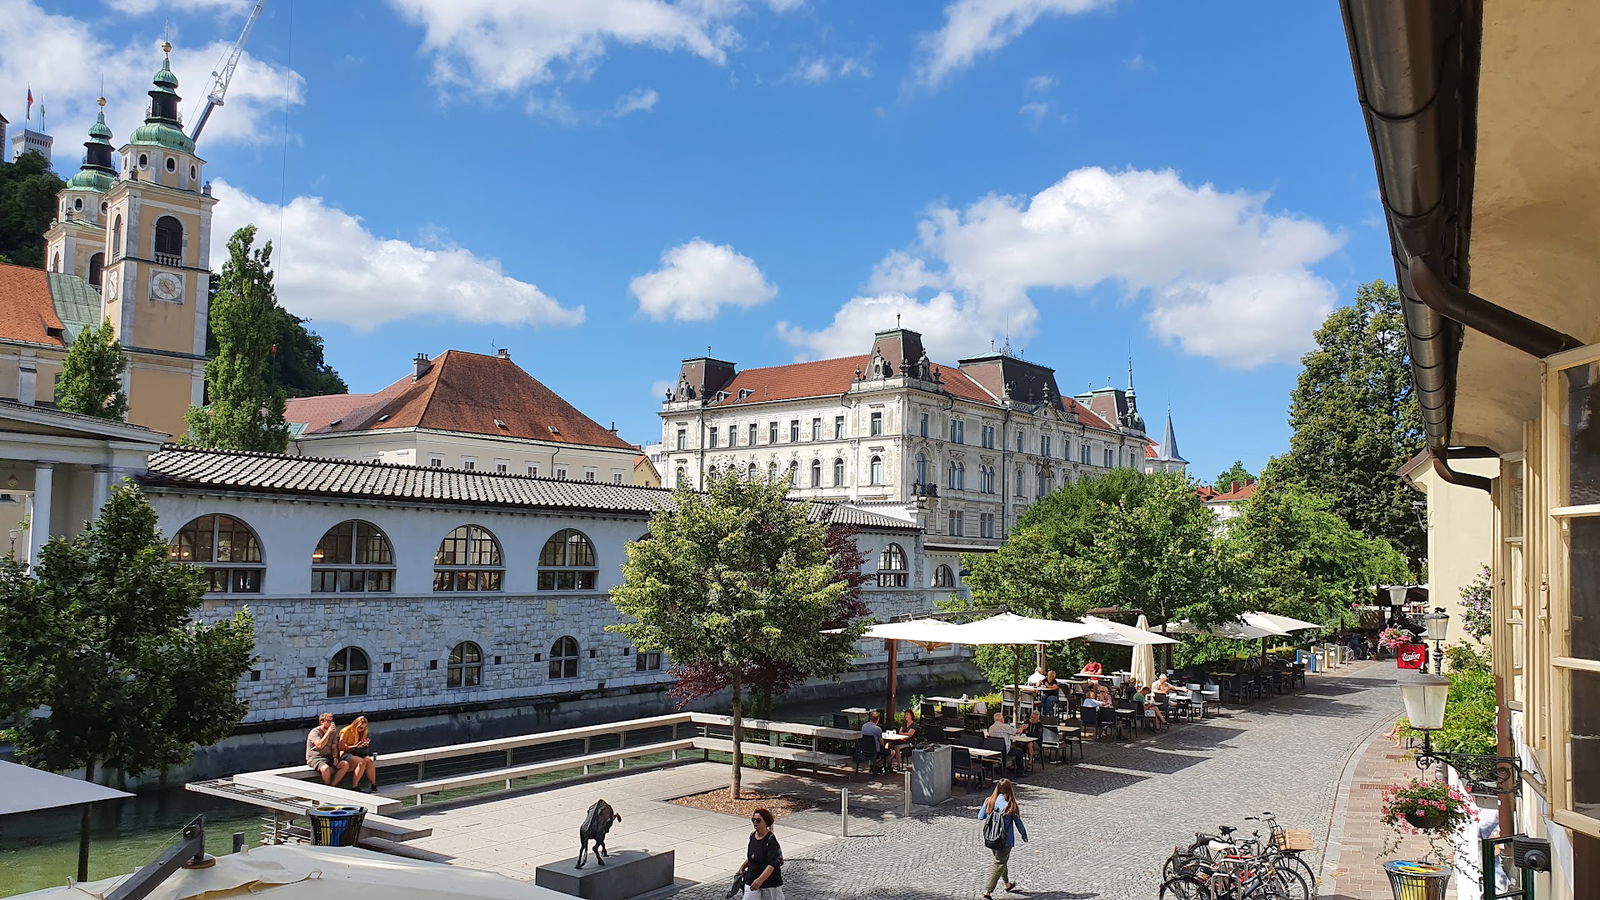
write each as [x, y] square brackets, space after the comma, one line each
[499, 424]
[554, 430]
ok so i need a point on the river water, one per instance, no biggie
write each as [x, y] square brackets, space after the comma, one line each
[40, 850]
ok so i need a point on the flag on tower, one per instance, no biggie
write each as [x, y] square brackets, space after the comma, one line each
[29, 116]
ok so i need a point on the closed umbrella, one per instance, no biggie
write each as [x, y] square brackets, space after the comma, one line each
[1144, 656]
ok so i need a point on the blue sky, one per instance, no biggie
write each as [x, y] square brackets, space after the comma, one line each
[607, 186]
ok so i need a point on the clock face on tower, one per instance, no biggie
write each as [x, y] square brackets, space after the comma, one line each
[166, 286]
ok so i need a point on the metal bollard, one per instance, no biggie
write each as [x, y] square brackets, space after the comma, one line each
[908, 793]
[844, 812]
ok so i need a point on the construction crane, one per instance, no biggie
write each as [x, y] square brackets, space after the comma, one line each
[221, 77]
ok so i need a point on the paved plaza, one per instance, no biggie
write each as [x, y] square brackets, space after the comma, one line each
[1101, 828]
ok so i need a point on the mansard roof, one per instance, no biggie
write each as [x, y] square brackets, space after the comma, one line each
[834, 377]
[461, 392]
[175, 466]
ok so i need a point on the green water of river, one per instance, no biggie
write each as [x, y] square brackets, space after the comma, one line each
[40, 850]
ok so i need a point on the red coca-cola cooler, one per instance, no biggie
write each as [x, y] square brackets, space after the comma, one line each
[1411, 656]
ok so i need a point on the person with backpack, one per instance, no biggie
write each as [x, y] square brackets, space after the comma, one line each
[1001, 817]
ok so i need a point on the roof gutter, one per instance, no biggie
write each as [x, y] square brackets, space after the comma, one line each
[1416, 68]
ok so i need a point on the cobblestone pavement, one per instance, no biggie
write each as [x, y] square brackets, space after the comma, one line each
[1102, 828]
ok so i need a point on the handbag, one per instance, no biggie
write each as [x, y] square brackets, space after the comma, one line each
[736, 889]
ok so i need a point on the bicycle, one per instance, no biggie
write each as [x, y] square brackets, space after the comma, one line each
[1283, 865]
[1227, 878]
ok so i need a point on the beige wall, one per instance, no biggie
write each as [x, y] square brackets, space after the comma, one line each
[415, 447]
[1460, 534]
[160, 393]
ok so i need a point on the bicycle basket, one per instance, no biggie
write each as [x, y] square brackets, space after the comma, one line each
[1292, 839]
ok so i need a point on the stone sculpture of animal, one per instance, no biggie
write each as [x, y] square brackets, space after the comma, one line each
[595, 825]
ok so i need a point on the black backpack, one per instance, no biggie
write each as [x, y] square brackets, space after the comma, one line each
[994, 831]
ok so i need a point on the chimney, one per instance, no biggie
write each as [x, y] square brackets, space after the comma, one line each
[423, 364]
[505, 354]
[27, 380]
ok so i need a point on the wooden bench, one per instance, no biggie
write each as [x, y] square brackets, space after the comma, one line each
[471, 779]
[797, 755]
[284, 781]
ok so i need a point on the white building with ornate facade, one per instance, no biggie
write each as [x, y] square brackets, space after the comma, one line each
[960, 450]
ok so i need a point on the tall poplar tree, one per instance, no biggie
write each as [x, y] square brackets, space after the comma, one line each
[244, 402]
[1356, 421]
[91, 375]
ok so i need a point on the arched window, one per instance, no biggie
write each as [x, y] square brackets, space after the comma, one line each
[564, 657]
[97, 265]
[943, 577]
[567, 562]
[922, 469]
[875, 471]
[55, 263]
[1018, 482]
[347, 673]
[116, 238]
[838, 473]
[226, 548]
[816, 473]
[772, 471]
[750, 472]
[892, 567]
[465, 668]
[468, 560]
[169, 241]
[353, 557]
[679, 478]
[794, 474]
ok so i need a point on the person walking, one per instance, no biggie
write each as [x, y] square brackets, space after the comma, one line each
[1002, 820]
[762, 869]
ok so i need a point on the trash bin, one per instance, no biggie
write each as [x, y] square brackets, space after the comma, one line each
[1413, 880]
[336, 826]
[930, 774]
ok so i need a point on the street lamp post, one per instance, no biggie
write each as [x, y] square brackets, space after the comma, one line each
[1425, 696]
[1435, 626]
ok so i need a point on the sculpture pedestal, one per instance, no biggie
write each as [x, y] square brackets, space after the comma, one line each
[627, 873]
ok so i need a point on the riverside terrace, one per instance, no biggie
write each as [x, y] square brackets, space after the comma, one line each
[1283, 752]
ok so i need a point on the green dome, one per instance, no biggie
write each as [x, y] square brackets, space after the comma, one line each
[99, 129]
[164, 78]
[161, 134]
[90, 180]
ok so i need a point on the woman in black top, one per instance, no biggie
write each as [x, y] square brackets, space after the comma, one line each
[762, 870]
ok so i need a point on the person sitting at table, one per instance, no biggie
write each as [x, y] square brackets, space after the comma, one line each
[1049, 692]
[1093, 668]
[908, 731]
[871, 729]
[1005, 731]
[1104, 696]
[1035, 730]
[1146, 702]
[1036, 677]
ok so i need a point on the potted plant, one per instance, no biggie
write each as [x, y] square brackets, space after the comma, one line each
[1393, 638]
[1430, 809]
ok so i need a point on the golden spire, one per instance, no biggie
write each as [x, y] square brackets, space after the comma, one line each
[166, 47]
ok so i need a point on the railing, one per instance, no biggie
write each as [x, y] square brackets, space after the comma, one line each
[924, 489]
[169, 259]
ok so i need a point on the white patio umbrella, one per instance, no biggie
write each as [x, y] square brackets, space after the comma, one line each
[1237, 631]
[1284, 624]
[1105, 631]
[25, 789]
[1010, 629]
[1144, 656]
[286, 872]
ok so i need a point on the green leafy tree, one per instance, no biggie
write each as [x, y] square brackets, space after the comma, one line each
[1126, 539]
[244, 402]
[1356, 420]
[91, 375]
[1294, 556]
[299, 361]
[28, 192]
[1234, 474]
[733, 580]
[101, 663]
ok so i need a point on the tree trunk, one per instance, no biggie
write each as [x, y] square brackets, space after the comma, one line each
[738, 735]
[83, 829]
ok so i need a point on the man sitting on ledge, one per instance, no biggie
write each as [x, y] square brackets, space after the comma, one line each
[323, 754]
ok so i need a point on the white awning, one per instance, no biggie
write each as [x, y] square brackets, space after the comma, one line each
[1237, 631]
[1105, 631]
[918, 631]
[1284, 624]
[1010, 628]
[287, 872]
[25, 789]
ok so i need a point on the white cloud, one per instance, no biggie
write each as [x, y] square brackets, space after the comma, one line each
[819, 69]
[784, 6]
[659, 389]
[1035, 111]
[975, 27]
[143, 7]
[638, 100]
[506, 45]
[1222, 276]
[950, 327]
[697, 279]
[1040, 84]
[330, 267]
[48, 52]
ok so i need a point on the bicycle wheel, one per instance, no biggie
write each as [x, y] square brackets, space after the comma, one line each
[1287, 878]
[1183, 887]
[1304, 868]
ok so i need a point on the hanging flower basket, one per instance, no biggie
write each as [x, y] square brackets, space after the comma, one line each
[1426, 806]
[1394, 638]
[1425, 819]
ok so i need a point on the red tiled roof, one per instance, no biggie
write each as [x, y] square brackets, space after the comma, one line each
[26, 308]
[832, 377]
[1208, 494]
[465, 392]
